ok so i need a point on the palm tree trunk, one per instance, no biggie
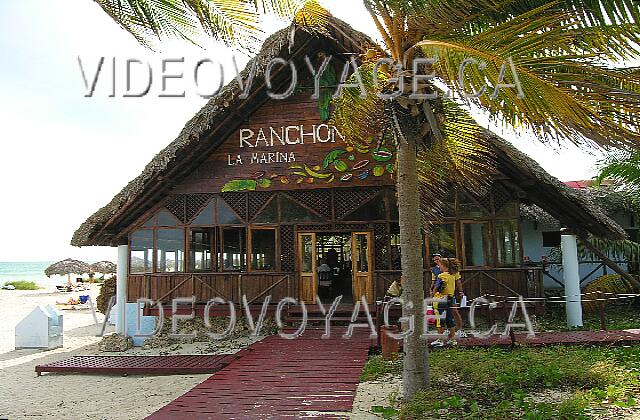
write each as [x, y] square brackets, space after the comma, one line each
[415, 375]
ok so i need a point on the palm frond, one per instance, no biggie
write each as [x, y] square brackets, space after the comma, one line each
[623, 167]
[312, 16]
[233, 22]
[360, 118]
[568, 95]
[625, 250]
[462, 158]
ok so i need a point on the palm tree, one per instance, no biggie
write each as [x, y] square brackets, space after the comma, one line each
[561, 55]
[623, 167]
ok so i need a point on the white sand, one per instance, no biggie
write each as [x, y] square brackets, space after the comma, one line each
[24, 395]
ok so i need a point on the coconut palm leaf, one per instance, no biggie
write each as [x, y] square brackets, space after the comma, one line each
[565, 95]
[234, 22]
[625, 168]
[625, 250]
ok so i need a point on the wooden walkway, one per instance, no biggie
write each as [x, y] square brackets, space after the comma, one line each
[137, 365]
[278, 378]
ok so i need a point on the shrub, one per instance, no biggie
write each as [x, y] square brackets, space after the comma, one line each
[23, 285]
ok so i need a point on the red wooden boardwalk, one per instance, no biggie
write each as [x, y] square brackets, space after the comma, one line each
[278, 378]
[617, 337]
[161, 365]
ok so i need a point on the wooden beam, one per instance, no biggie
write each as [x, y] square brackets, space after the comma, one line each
[609, 262]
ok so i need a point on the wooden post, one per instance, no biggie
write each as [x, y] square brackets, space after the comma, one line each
[603, 321]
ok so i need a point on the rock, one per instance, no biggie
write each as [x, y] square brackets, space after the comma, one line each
[115, 343]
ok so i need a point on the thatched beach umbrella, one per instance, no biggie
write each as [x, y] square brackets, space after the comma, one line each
[67, 267]
[104, 267]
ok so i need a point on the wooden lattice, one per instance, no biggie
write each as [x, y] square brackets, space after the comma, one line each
[177, 207]
[318, 200]
[237, 202]
[315, 228]
[501, 196]
[485, 201]
[256, 201]
[287, 244]
[381, 246]
[349, 200]
[353, 227]
[195, 203]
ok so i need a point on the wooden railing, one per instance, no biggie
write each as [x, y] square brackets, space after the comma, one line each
[206, 286]
[526, 281]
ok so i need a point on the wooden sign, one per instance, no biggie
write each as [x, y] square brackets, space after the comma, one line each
[284, 146]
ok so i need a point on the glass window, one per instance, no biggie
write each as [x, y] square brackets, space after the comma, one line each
[372, 210]
[164, 218]
[510, 209]
[442, 239]
[234, 249]
[200, 250]
[476, 244]
[307, 254]
[206, 217]
[169, 250]
[467, 207]
[508, 243]
[269, 214]
[362, 253]
[226, 216]
[293, 212]
[142, 251]
[396, 257]
[263, 249]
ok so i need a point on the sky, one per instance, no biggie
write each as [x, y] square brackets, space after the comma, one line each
[63, 155]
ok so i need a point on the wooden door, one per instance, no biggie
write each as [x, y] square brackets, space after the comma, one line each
[307, 267]
[362, 282]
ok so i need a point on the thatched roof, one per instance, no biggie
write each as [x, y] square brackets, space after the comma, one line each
[104, 267]
[567, 205]
[225, 112]
[65, 267]
[608, 200]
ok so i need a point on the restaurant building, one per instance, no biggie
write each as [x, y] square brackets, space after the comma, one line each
[256, 194]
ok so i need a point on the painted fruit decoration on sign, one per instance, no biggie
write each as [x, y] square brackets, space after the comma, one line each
[340, 166]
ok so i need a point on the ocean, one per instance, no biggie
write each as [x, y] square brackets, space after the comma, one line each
[30, 271]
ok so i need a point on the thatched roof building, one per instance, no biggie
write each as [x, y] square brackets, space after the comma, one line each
[223, 114]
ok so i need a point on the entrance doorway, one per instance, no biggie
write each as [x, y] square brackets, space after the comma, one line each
[334, 264]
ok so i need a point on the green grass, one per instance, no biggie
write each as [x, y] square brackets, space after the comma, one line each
[617, 317]
[496, 383]
[23, 285]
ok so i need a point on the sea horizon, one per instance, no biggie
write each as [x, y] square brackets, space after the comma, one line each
[31, 271]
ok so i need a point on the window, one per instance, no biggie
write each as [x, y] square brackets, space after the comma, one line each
[169, 250]
[362, 252]
[372, 210]
[269, 214]
[476, 244]
[307, 253]
[200, 250]
[442, 239]
[396, 256]
[263, 249]
[293, 212]
[468, 207]
[226, 216]
[234, 249]
[508, 243]
[206, 217]
[142, 251]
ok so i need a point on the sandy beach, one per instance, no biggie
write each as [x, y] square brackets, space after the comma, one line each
[25, 395]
